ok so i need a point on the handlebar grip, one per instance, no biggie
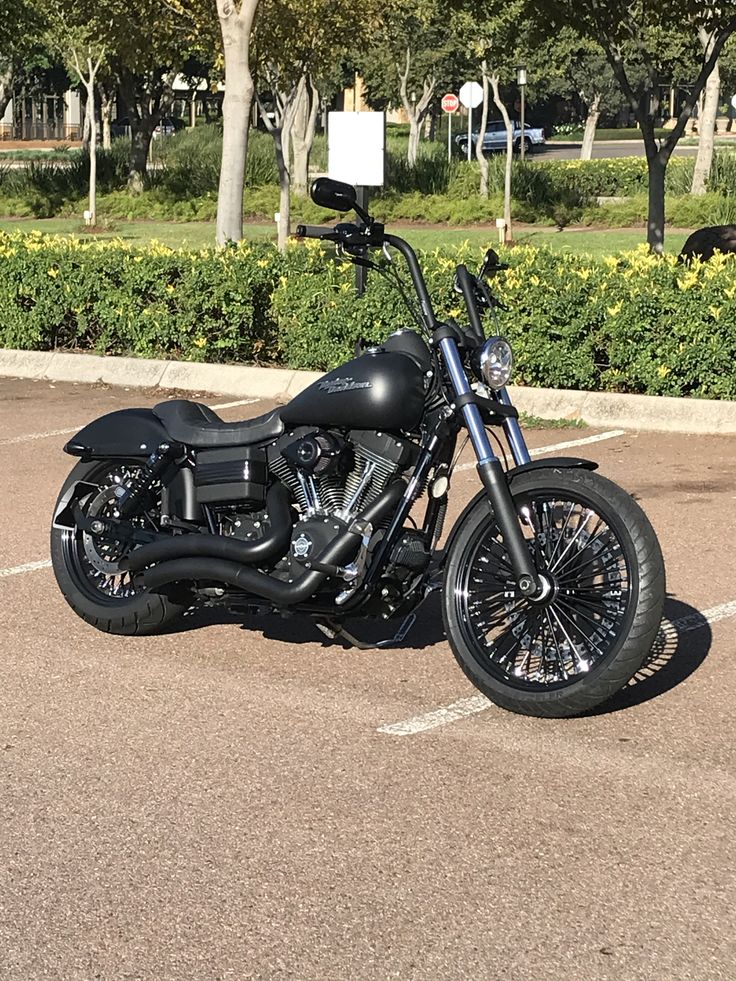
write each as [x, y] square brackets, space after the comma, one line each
[314, 231]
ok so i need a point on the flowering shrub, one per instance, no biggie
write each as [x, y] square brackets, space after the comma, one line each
[630, 322]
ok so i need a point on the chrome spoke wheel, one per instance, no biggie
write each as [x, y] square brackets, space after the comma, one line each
[551, 643]
[93, 561]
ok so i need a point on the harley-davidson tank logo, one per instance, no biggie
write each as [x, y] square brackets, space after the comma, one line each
[334, 385]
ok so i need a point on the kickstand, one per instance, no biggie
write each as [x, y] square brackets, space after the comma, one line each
[334, 631]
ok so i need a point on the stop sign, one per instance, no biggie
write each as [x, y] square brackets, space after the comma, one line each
[450, 102]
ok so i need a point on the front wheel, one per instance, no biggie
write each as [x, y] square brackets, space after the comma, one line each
[575, 649]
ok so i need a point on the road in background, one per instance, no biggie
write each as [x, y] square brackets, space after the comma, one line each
[604, 149]
[219, 803]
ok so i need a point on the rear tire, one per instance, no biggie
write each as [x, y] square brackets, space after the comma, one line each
[133, 610]
[576, 650]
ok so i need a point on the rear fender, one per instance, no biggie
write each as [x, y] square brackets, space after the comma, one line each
[548, 463]
[125, 433]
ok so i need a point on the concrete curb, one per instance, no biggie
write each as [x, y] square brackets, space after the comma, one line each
[643, 412]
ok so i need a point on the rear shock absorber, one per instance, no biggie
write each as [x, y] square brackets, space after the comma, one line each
[131, 494]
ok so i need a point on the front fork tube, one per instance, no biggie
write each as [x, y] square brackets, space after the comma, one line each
[513, 432]
[492, 476]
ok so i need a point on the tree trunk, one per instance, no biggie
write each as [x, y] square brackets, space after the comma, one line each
[302, 135]
[591, 124]
[106, 100]
[414, 134]
[508, 235]
[92, 148]
[281, 128]
[7, 75]
[707, 121]
[479, 153]
[415, 111]
[89, 82]
[141, 134]
[282, 155]
[86, 125]
[235, 26]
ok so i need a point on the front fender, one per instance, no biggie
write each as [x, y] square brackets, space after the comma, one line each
[547, 463]
[126, 433]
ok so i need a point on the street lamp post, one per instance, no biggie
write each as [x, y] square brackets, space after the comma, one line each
[521, 81]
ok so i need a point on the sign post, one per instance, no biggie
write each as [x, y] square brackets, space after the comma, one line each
[471, 95]
[356, 152]
[450, 104]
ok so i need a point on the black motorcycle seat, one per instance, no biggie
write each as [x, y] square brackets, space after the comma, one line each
[197, 425]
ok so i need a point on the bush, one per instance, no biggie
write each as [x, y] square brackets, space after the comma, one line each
[153, 302]
[630, 323]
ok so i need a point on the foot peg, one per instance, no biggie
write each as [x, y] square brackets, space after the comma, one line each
[335, 631]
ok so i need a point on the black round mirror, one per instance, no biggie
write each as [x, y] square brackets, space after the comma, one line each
[333, 194]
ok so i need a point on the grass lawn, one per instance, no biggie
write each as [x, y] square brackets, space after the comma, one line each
[200, 234]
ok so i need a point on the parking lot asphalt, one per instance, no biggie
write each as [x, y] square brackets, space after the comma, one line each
[230, 802]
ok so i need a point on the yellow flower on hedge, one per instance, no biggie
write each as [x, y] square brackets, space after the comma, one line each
[169, 288]
[584, 274]
[715, 312]
[663, 371]
[53, 272]
[615, 310]
[534, 280]
[688, 281]
[200, 342]
[262, 263]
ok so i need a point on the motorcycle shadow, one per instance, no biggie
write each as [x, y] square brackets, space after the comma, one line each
[682, 644]
[427, 631]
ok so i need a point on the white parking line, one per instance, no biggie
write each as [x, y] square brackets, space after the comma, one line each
[231, 405]
[75, 429]
[568, 444]
[29, 436]
[479, 703]
[18, 570]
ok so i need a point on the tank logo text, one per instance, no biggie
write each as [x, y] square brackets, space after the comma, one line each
[342, 385]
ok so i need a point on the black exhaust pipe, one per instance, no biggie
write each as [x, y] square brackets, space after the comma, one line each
[272, 546]
[342, 549]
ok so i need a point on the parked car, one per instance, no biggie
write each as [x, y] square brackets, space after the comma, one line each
[167, 127]
[495, 138]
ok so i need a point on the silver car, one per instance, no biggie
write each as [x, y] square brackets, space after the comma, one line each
[495, 138]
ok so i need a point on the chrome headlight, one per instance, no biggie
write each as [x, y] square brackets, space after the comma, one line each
[496, 362]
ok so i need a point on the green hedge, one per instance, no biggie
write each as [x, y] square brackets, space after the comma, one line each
[631, 322]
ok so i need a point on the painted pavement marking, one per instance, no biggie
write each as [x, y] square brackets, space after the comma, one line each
[75, 429]
[479, 703]
[18, 570]
[568, 444]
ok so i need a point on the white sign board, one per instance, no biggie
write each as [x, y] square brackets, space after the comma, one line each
[471, 95]
[356, 147]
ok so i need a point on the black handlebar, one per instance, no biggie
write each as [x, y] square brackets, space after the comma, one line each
[316, 231]
[356, 239]
[468, 285]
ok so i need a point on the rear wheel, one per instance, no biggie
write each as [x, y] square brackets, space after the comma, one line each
[86, 569]
[582, 643]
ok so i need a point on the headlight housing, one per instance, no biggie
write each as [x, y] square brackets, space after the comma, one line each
[496, 362]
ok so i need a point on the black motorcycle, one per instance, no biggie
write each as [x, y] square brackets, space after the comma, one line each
[552, 578]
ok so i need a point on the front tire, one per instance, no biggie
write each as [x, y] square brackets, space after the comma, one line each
[85, 575]
[581, 645]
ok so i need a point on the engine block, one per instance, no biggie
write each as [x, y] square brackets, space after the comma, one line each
[361, 471]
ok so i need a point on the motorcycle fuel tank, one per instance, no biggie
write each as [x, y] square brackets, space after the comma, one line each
[381, 390]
